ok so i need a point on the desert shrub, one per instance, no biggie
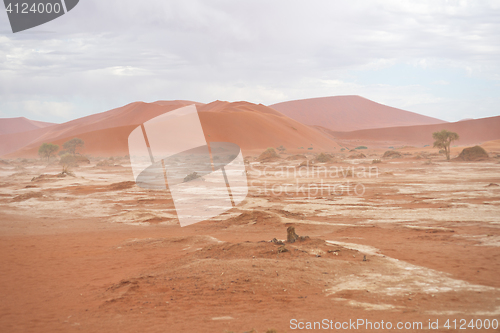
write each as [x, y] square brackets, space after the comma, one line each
[310, 148]
[268, 154]
[323, 158]
[475, 153]
[392, 154]
[66, 172]
[376, 161]
[73, 160]
[361, 147]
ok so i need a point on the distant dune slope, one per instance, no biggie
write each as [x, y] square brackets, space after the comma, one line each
[349, 113]
[20, 124]
[255, 127]
[251, 126]
[473, 131]
[27, 143]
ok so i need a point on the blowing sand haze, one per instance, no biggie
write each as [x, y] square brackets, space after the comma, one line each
[250, 167]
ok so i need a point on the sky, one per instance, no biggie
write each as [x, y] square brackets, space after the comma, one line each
[438, 58]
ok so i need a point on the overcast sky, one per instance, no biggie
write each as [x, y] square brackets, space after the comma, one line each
[437, 58]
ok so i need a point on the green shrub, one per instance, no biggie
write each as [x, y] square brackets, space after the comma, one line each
[73, 160]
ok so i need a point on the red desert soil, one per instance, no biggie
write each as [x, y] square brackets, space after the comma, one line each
[95, 253]
[349, 113]
[156, 278]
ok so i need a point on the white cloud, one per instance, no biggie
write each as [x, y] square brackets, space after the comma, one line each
[56, 109]
[441, 82]
[261, 51]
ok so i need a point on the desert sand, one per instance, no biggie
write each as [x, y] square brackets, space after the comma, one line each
[350, 113]
[474, 131]
[96, 253]
[409, 238]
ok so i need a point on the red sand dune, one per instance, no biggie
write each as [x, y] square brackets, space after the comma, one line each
[493, 145]
[27, 143]
[256, 127]
[249, 125]
[20, 124]
[471, 132]
[350, 113]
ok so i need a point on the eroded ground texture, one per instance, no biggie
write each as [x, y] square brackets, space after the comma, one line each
[405, 240]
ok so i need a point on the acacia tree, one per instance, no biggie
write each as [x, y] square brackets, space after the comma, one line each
[47, 149]
[443, 140]
[72, 145]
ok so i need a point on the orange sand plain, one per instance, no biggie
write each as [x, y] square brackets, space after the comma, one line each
[95, 253]
[407, 239]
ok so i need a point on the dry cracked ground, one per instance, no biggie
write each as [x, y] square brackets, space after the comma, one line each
[405, 240]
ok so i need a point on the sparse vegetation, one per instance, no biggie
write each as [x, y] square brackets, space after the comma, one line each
[73, 161]
[376, 161]
[475, 153]
[66, 172]
[361, 147]
[392, 154]
[323, 158]
[73, 145]
[46, 150]
[268, 154]
[281, 149]
[443, 140]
